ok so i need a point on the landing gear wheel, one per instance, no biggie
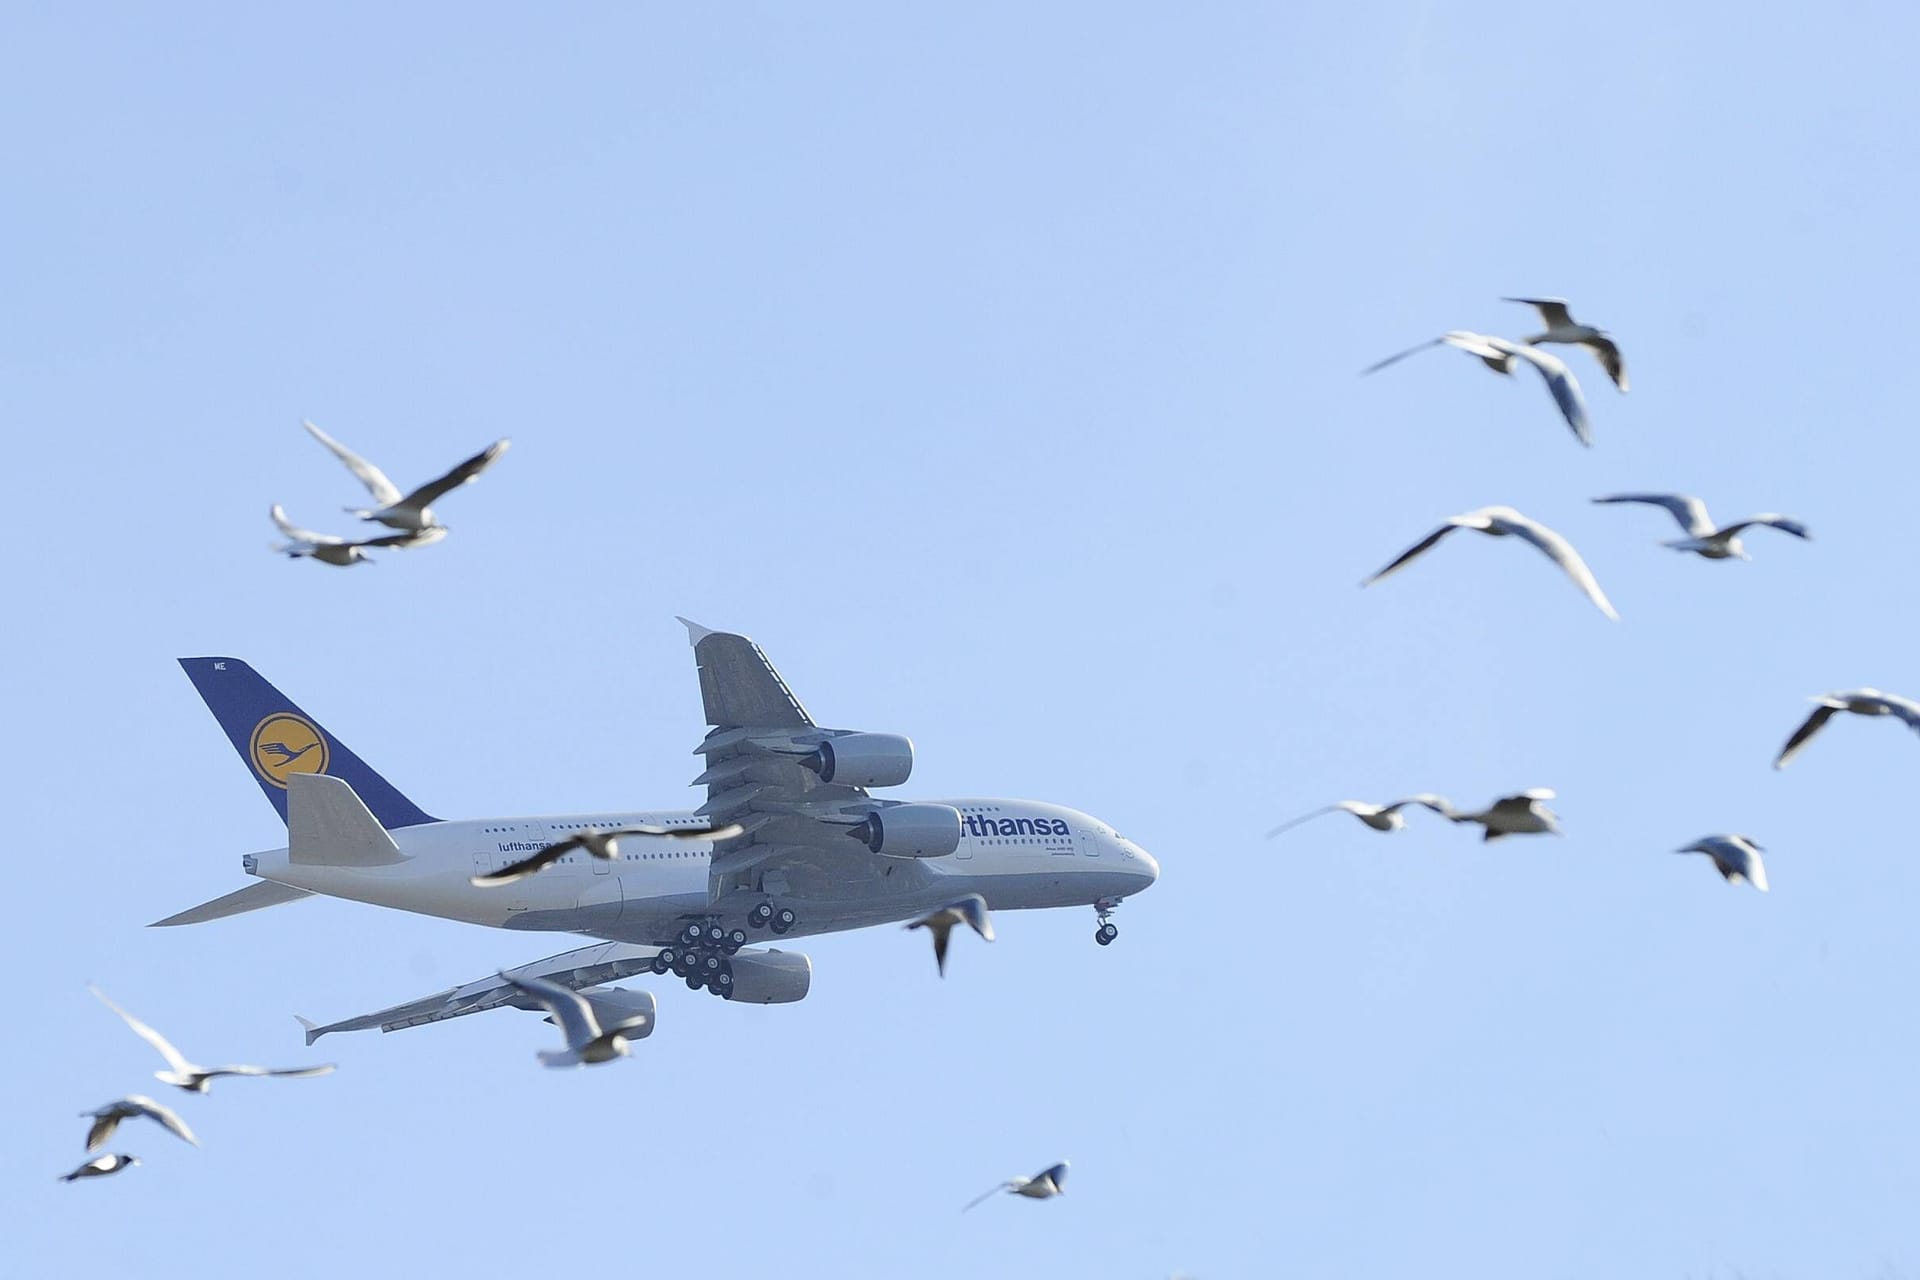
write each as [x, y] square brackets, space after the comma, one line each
[1105, 934]
[761, 915]
[691, 935]
[722, 985]
[736, 939]
[682, 966]
[715, 935]
[710, 964]
[693, 982]
[660, 963]
[784, 919]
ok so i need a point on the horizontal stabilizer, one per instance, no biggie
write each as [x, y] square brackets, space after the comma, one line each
[252, 898]
[328, 826]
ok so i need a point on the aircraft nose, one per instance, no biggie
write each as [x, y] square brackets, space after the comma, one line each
[1145, 867]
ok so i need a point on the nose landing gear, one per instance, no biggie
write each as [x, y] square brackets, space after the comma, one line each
[1107, 931]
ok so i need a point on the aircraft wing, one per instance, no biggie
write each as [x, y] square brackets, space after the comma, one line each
[762, 751]
[575, 970]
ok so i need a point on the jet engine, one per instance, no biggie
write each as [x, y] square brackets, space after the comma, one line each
[863, 759]
[770, 977]
[910, 831]
[617, 1004]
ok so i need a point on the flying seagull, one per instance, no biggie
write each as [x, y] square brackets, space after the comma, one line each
[1381, 817]
[1735, 857]
[1498, 355]
[586, 1041]
[106, 1119]
[1500, 522]
[1044, 1185]
[1562, 327]
[601, 844]
[1521, 815]
[189, 1076]
[413, 510]
[345, 553]
[1702, 537]
[100, 1167]
[1862, 702]
[970, 910]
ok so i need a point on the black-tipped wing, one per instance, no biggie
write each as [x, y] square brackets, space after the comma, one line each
[1809, 727]
[1560, 381]
[432, 491]
[1610, 359]
[536, 861]
[1395, 358]
[1411, 553]
[1784, 524]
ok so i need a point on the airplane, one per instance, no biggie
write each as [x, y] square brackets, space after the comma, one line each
[790, 840]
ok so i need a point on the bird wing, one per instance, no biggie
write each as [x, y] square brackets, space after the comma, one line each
[707, 832]
[1785, 524]
[384, 491]
[147, 1033]
[1012, 1184]
[1560, 381]
[538, 860]
[973, 909]
[1413, 551]
[1561, 552]
[1478, 344]
[1057, 1175]
[568, 1008]
[433, 490]
[165, 1115]
[1552, 310]
[940, 925]
[102, 1128]
[411, 538]
[1291, 823]
[1610, 359]
[293, 1073]
[1426, 800]
[1396, 358]
[1809, 727]
[295, 532]
[1689, 511]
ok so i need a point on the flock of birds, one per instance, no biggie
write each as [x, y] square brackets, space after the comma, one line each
[1736, 857]
[587, 1042]
[411, 513]
[181, 1074]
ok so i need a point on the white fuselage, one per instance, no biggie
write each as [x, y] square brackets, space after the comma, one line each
[1014, 853]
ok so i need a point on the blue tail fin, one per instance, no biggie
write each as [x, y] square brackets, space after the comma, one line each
[276, 738]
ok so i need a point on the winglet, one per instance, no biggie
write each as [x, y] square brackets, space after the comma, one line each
[695, 632]
[314, 1029]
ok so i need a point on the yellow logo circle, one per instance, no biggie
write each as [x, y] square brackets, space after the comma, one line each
[284, 744]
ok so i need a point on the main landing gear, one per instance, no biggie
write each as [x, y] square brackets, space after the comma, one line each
[1107, 932]
[700, 954]
[768, 916]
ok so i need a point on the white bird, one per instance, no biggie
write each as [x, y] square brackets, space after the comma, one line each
[1381, 817]
[413, 510]
[587, 1042]
[1735, 857]
[100, 1167]
[601, 844]
[189, 1076]
[1562, 327]
[970, 910]
[328, 549]
[1498, 354]
[1521, 815]
[1045, 1185]
[1862, 702]
[1703, 538]
[1501, 522]
[106, 1119]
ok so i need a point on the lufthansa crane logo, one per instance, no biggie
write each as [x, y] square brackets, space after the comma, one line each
[284, 744]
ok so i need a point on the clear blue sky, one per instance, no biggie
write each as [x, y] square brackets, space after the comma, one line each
[995, 369]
